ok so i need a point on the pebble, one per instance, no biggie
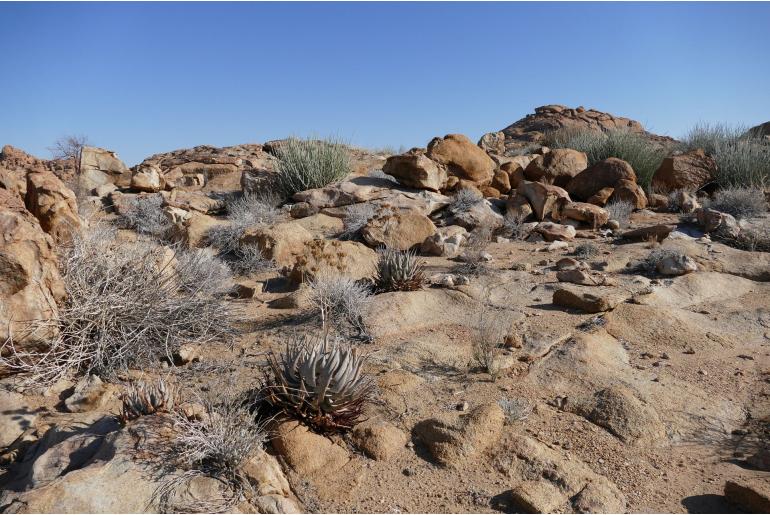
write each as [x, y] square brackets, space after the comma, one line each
[703, 372]
[462, 406]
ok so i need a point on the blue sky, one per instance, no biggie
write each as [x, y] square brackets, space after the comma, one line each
[141, 78]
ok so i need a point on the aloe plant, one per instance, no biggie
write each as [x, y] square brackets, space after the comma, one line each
[147, 398]
[318, 381]
[399, 271]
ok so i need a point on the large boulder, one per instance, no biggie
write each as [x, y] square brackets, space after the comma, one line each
[629, 191]
[583, 212]
[604, 174]
[100, 166]
[281, 242]
[542, 197]
[30, 284]
[53, 204]
[493, 143]
[148, 178]
[344, 257]
[415, 170]
[689, 171]
[398, 229]
[556, 167]
[462, 158]
[761, 131]
[556, 232]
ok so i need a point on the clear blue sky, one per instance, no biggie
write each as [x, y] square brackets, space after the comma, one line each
[141, 78]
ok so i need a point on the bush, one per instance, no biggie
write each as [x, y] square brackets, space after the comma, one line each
[215, 444]
[304, 164]
[356, 217]
[739, 201]
[145, 215]
[513, 226]
[143, 398]
[475, 257]
[320, 382]
[399, 270]
[489, 333]
[586, 251]
[203, 272]
[465, 199]
[644, 155]
[127, 306]
[340, 301]
[620, 211]
[741, 160]
[515, 409]
[650, 263]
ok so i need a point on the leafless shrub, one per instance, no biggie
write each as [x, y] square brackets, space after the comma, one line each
[200, 270]
[620, 211]
[356, 217]
[249, 259]
[475, 257]
[586, 251]
[515, 409]
[489, 333]
[320, 382]
[513, 226]
[69, 147]
[650, 262]
[739, 201]
[145, 215]
[340, 301]
[216, 444]
[145, 398]
[465, 199]
[754, 238]
[126, 306]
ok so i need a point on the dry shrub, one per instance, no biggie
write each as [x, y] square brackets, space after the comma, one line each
[475, 255]
[127, 306]
[739, 201]
[145, 215]
[620, 211]
[340, 301]
[356, 217]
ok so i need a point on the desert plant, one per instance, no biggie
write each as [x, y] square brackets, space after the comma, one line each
[70, 147]
[650, 262]
[741, 160]
[356, 217]
[144, 398]
[398, 270]
[515, 409]
[215, 444]
[304, 164]
[475, 257]
[586, 251]
[145, 215]
[203, 272]
[464, 199]
[126, 307]
[320, 382]
[620, 211]
[339, 300]
[513, 226]
[489, 330]
[644, 155]
[739, 201]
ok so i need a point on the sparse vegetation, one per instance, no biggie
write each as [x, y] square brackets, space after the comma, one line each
[620, 211]
[304, 164]
[340, 301]
[741, 160]
[515, 409]
[644, 155]
[489, 333]
[513, 226]
[585, 251]
[320, 382]
[145, 398]
[145, 215]
[127, 306]
[475, 257]
[739, 201]
[399, 270]
[464, 199]
[356, 217]
[650, 263]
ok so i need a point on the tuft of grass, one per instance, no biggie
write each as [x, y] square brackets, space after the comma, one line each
[620, 211]
[739, 201]
[741, 160]
[127, 305]
[474, 258]
[513, 226]
[489, 334]
[644, 155]
[304, 164]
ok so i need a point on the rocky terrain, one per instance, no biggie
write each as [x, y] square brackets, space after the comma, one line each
[569, 339]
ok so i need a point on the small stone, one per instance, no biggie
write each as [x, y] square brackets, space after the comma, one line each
[689, 350]
[462, 406]
[703, 372]
[664, 356]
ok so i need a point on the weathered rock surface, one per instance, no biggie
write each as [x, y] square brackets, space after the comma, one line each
[53, 204]
[415, 170]
[398, 229]
[556, 167]
[542, 197]
[689, 171]
[462, 158]
[604, 174]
